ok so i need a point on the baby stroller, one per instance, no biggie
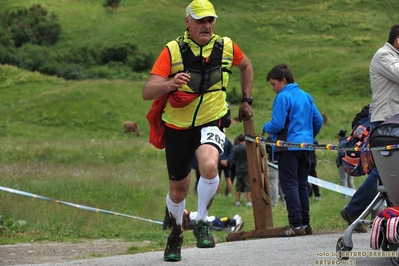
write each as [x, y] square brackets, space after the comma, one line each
[384, 135]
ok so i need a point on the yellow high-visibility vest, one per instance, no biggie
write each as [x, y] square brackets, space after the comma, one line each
[209, 67]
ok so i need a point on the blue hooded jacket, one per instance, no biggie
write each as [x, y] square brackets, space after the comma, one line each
[304, 118]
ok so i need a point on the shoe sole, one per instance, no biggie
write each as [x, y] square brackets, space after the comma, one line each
[172, 258]
[239, 227]
[206, 244]
[289, 232]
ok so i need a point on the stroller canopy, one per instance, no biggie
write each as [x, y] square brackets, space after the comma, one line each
[387, 133]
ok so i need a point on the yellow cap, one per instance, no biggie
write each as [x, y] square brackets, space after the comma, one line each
[199, 9]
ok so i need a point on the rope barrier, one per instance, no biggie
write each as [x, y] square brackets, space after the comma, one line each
[19, 192]
[325, 184]
[282, 143]
[313, 180]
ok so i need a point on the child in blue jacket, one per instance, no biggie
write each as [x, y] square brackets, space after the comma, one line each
[295, 118]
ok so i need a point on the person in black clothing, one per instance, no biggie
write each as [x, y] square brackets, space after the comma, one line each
[225, 164]
[242, 176]
[314, 189]
[362, 114]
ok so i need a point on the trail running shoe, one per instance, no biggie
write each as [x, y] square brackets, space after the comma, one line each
[202, 232]
[172, 250]
[289, 230]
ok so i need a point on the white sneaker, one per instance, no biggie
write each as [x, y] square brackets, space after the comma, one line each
[239, 223]
[238, 219]
[249, 204]
[238, 204]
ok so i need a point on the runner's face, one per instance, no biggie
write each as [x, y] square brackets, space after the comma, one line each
[201, 30]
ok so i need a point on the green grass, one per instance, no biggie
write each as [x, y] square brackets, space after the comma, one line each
[63, 139]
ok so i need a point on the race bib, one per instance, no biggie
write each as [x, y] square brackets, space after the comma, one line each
[213, 135]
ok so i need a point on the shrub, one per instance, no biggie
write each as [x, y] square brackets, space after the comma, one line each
[117, 52]
[84, 55]
[26, 34]
[140, 61]
[31, 26]
[113, 4]
[6, 38]
[51, 67]
[30, 57]
[71, 71]
[6, 54]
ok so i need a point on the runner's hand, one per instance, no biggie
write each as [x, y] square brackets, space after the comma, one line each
[245, 112]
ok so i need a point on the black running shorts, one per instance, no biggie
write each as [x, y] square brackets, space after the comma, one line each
[180, 147]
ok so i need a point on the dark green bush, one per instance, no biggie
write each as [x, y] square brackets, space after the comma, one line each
[87, 56]
[26, 34]
[118, 52]
[31, 57]
[31, 26]
[6, 54]
[71, 71]
[111, 3]
[6, 38]
[140, 61]
[51, 67]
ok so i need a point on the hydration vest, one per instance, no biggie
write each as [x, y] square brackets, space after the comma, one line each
[209, 67]
[205, 71]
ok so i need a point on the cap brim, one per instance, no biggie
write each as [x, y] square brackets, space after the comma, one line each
[203, 16]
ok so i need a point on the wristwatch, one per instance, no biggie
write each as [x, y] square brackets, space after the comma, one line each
[248, 100]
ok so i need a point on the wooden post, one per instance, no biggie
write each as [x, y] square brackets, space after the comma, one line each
[260, 190]
[259, 180]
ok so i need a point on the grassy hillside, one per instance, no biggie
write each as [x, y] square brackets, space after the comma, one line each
[328, 44]
[63, 139]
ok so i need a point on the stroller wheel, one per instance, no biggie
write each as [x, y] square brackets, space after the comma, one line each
[341, 247]
[395, 247]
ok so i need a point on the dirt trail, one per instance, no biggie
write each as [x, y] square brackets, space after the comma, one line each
[39, 253]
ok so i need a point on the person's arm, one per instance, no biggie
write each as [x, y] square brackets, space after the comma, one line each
[157, 86]
[389, 66]
[279, 115]
[341, 153]
[246, 75]
[158, 83]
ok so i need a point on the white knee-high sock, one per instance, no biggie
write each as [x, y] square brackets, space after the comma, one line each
[176, 210]
[206, 191]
